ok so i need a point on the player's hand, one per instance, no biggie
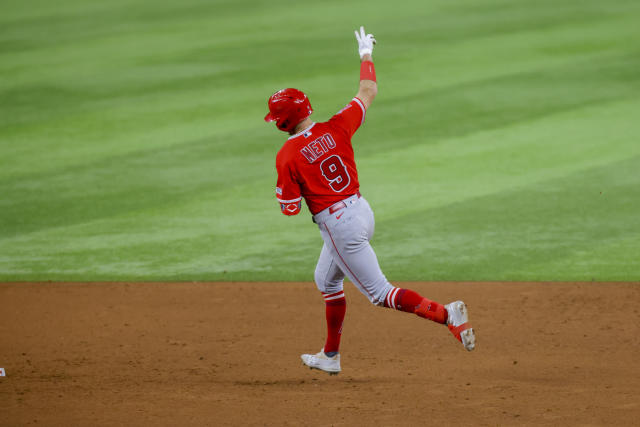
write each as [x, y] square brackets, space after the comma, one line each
[365, 42]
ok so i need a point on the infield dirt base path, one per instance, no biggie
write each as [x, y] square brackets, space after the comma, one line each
[228, 354]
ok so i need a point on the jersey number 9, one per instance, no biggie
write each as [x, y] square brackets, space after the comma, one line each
[335, 172]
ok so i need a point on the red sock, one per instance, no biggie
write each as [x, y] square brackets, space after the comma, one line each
[335, 308]
[412, 302]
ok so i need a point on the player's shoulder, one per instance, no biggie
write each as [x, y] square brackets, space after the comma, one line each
[288, 149]
[317, 129]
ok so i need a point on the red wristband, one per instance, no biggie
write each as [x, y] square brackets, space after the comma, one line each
[367, 71]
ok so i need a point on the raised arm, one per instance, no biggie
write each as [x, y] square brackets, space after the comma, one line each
[368, 86]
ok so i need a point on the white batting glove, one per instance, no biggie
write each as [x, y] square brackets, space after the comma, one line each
[365, 42]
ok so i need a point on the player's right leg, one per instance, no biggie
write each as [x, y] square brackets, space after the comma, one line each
[453, 315]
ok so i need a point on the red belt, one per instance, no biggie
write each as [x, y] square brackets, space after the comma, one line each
[340, 205]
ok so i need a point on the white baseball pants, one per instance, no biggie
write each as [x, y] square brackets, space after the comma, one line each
[347, 251]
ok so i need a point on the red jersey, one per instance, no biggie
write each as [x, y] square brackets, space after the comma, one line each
[318, 163]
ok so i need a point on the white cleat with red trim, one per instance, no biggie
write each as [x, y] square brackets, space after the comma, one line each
[322, 362]
[458, 324]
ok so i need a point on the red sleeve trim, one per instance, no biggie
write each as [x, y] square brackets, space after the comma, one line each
[289, 201]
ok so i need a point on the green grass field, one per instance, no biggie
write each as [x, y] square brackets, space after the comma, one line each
[504, 143]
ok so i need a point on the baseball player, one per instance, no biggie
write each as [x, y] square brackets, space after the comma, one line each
[317, 163]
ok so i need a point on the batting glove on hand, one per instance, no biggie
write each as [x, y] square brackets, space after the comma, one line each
[365, 42]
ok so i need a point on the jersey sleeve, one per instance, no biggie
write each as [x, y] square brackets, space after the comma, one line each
[351, 117]
[287, 189]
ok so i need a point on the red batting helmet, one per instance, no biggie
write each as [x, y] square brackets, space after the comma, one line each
[288, 107]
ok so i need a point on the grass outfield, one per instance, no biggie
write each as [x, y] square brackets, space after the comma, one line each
[504, 143]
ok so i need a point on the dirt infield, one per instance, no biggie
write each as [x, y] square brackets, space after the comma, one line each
[228, 354]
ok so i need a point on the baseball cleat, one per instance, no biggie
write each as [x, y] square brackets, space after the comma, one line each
[458, 324]
[322, 362]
